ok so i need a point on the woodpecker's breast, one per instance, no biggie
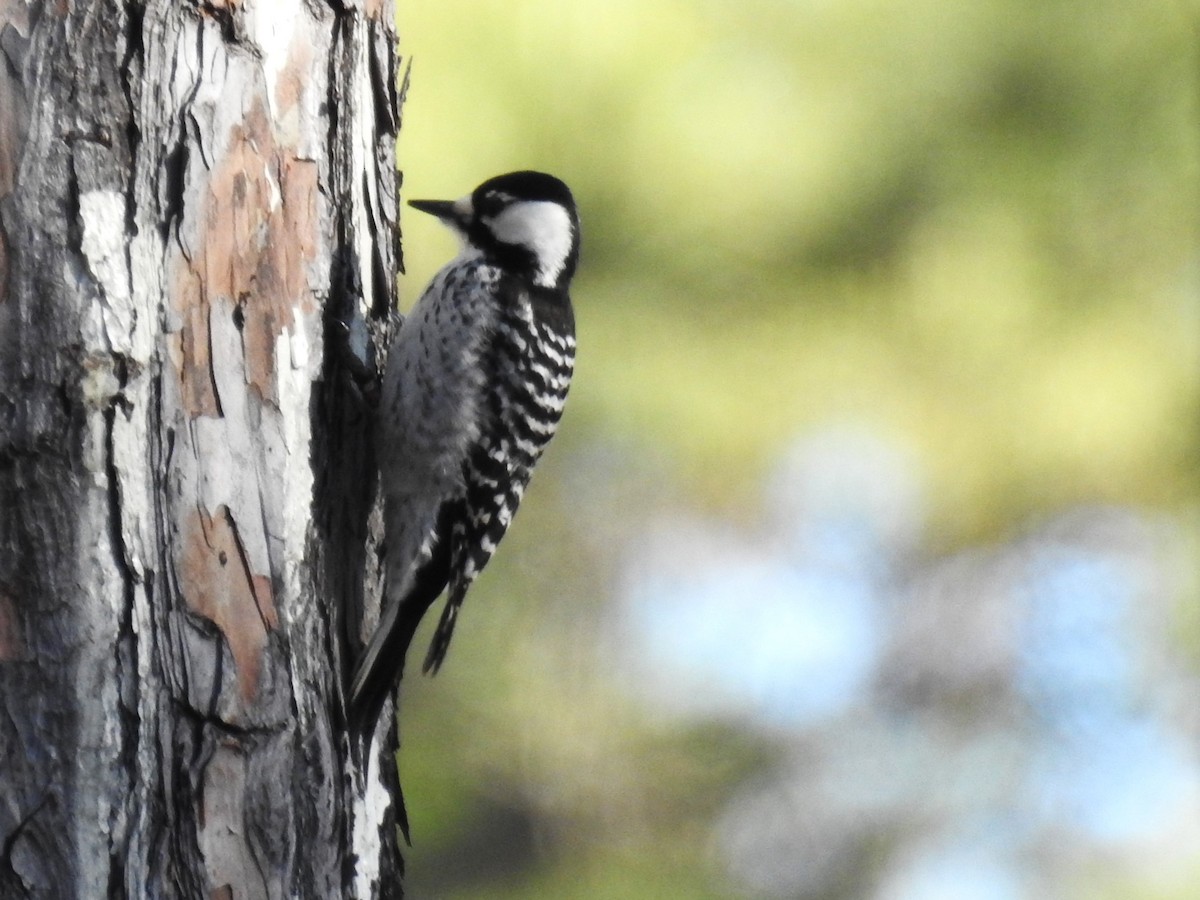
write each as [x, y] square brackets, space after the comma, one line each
[436, 376]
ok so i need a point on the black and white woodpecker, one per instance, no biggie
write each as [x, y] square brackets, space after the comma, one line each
[473, 391]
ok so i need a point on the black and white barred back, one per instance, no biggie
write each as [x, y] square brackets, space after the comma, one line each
[531, 358]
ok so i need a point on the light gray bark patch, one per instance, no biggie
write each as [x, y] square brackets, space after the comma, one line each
[230, 863]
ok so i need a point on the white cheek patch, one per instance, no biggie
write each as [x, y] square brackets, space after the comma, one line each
[542, 227]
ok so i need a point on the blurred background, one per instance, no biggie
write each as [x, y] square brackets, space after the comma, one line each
[865, 562]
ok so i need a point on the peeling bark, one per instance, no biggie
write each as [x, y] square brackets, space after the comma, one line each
[191, 194]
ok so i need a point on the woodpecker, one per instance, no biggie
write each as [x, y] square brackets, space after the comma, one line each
[472, 392]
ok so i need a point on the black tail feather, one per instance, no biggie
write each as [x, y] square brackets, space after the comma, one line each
[373, 686]
[445, 630]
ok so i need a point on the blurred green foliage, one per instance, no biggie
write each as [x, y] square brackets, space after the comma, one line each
[973, 225]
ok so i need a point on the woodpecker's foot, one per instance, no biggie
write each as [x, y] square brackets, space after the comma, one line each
[364, 381]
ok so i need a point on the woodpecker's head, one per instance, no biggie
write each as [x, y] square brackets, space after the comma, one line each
[526, 221]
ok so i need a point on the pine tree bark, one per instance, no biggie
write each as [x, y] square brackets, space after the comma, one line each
[192, 194]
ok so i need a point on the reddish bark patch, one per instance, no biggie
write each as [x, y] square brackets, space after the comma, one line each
[258, 230]
[282, 276]
[192, 352]
[217, 583]
[12, 643]
[293, 77]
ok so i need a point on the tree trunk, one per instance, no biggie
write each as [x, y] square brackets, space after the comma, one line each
[191, 193]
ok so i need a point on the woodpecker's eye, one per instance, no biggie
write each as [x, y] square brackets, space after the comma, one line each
[490, 204]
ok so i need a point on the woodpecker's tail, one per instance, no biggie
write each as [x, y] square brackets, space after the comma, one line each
[445, 630]
[378, 673]
[382, 663]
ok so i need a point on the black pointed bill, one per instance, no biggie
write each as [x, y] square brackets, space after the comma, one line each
[443, 209]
